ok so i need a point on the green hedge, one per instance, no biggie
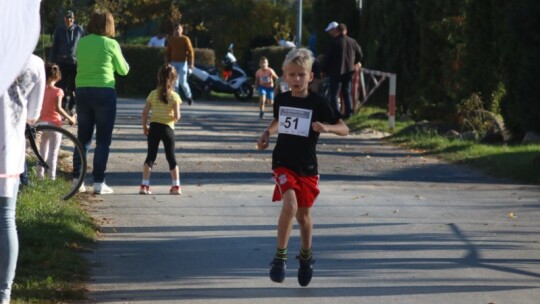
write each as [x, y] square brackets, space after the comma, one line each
[144, 63]
[275, 55]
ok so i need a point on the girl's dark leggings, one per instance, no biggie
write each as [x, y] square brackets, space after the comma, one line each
[160, 132]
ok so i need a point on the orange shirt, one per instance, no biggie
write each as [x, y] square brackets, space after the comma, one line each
[179, 49]
[48, 110]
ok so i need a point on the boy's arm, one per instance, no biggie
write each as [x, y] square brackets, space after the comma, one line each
[264, 140]
[339, 128]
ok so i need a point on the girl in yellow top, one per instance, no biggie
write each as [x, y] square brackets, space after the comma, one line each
[164, 103]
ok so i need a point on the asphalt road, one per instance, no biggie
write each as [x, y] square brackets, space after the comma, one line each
[391, 226]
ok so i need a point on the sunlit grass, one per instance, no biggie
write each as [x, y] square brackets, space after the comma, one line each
[520, 162]
[52, 234]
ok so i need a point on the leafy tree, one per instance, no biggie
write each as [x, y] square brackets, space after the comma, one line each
[521, 66]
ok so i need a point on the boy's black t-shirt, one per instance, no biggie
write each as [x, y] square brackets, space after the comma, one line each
[296, 143]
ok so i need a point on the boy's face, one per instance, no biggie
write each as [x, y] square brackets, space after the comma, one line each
[298, 78]
[263, 63]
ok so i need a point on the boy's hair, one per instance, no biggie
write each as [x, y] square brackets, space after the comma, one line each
[301, 57]
[52, 71]
[166, 77]
[101, 23]
[263, 58]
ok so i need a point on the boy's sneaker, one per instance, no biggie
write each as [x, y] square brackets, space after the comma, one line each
[145, 190]
[261, 114]
[175, 190]
[82, 188]
[189, 101]
[305, 271]
[277, 272]
[102, 188]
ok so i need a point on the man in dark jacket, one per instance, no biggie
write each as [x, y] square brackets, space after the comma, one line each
[340, 61]
[63, 48]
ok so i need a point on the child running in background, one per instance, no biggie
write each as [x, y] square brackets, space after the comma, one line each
[299, 118]
[264, 82]
[52, 113]
[164, 103]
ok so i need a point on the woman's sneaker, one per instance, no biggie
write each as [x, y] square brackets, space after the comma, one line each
[145, 190]
[102, 188]
[277, 272]
[175, 190]
[82, 188]
[305, 271]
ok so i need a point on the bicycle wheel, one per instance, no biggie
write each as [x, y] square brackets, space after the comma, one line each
[58, 143]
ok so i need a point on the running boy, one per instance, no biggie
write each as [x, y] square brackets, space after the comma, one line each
[164, 103]
[52, 113]
[264, 82]
[299, 117]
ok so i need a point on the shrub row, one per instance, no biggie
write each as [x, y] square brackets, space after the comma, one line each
[144, 64]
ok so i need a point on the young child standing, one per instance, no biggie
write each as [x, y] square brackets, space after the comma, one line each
[299, 118]
[164, 103]
[264, 82]
[52, 113]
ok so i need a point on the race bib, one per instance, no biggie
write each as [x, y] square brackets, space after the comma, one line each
[265, 79]
[294, 121]
[284, 86]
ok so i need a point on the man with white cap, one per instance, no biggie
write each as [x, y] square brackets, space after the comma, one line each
[340, 61]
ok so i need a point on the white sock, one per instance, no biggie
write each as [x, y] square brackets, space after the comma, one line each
[146, 182]
[176, 182]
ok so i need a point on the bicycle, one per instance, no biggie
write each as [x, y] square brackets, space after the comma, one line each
[63, 175]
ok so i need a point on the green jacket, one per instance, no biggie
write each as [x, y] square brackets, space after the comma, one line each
[98, 57]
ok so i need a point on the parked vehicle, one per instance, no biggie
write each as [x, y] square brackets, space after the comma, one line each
[205, 78]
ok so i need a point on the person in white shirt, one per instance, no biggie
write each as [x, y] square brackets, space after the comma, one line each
[19, 104]
[157, 41]
[22, 84]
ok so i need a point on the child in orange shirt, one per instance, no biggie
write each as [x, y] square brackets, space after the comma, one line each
[52, 113]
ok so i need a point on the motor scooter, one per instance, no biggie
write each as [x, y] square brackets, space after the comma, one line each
[205, 78]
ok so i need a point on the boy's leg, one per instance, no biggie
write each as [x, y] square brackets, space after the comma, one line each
[285, 223]
[262, 99]
[305, 224]
[270, 97]
[305, 271]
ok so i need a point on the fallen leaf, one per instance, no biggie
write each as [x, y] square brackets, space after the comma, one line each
[511, 215]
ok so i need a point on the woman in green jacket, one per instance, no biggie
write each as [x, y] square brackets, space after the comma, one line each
[98, 58]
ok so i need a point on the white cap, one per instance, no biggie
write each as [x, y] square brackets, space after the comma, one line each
[331, 26]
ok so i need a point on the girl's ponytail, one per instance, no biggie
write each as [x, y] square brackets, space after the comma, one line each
[166, 78]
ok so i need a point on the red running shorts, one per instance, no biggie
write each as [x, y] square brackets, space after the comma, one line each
[306, 188]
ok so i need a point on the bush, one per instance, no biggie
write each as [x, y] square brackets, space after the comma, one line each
[275, 55]
[144, 63]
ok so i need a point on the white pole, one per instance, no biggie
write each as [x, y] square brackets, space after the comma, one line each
[299, 25]
[392, 102]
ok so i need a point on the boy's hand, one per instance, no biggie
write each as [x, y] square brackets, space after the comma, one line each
[320, 127]
[262, 142]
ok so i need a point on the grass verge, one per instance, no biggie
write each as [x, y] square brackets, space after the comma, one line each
[52, 235]
[519, 162]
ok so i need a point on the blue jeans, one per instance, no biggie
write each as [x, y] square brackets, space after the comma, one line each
[96, 107]
[345, 82]
[9, 244]
[181, 80]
